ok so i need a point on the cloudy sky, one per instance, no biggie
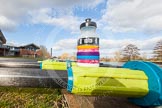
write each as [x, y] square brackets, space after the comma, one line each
[55, 23]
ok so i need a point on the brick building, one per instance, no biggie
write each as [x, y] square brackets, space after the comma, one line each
[13, 50]
[29, 50]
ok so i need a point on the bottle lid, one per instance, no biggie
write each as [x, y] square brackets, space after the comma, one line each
[87, 23]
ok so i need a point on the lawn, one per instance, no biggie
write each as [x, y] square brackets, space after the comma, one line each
[12, 97]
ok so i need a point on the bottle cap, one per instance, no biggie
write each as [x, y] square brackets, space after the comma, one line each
[87, 23]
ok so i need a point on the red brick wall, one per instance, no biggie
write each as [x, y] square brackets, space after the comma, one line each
[39, 53]
[26, 52]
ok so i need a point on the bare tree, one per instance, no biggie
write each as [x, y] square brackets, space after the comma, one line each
[158, 50]
[144, 56]
[117, 55]
[45, 53]
[130, 52]
[65, 56]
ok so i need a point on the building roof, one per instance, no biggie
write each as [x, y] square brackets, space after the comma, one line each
[11, 45]
[2, 38]
[32, 44]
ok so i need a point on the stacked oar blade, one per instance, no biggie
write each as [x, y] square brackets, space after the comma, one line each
[20, 72]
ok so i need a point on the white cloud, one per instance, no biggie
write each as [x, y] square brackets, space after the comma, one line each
[17, 11]
[49, 16]
[142, 44]
[108, 47]
[133, 15]
[14, 43]
[6, 24]
[65, 44]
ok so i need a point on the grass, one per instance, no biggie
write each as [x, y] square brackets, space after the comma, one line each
[12, 97]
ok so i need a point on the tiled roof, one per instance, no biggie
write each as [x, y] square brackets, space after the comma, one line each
[32, 44]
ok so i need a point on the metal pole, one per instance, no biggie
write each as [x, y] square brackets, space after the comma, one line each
[51, 52]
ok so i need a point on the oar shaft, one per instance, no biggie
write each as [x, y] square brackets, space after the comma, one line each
[25, 77]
